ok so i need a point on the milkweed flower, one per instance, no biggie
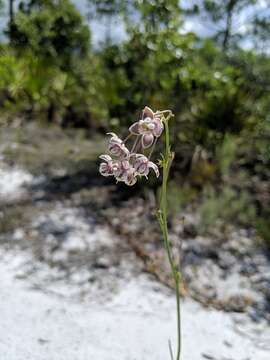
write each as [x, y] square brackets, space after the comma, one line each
[121, 169]
[149, 127]
[130, 176]
[142, 165]
[106, 167]
[117, 147]
[129, 165]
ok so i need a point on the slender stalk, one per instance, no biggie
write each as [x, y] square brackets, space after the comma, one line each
[152, 149]
[134, 147]
[162, 217]
[128, 137]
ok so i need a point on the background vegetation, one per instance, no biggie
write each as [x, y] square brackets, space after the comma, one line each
[216, 83]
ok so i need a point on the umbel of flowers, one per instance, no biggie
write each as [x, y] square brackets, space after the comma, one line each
[128, 165]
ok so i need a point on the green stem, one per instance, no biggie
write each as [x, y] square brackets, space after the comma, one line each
[162, 217]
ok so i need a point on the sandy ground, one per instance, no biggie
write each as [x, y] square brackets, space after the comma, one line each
[134, 323]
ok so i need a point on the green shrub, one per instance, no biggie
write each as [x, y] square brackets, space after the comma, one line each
[51, 30]
[226, 154]
[179, 196]
[226, 206]
[29, 85]
[263, 229]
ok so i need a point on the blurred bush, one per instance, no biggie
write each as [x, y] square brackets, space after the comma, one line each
[52, 30]
[32, 88]
[225, 206]
[48, 70]
[263, 229]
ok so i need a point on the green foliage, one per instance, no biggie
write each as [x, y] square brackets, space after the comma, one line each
[52, 30]
[226, 154]
[179, 196]
[155, 15]
[263, 229]
[225, 207]
[49, 71]
[31, 86]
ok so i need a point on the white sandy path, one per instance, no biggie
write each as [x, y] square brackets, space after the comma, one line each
[135, 325]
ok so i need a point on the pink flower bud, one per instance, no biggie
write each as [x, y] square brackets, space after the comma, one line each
[158, 126]
[147, 140]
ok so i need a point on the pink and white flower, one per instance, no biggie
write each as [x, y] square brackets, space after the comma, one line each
[125, 172]
[117, 147]
[106, 168]
[149, 127]
[142, 165]
[130, 176]
[121, 168]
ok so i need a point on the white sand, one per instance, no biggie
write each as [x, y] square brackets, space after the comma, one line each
[135, 325]
[12, 182]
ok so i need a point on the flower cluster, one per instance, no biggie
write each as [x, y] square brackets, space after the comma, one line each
[127, 165]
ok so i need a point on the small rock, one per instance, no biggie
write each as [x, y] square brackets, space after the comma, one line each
[208, 357]
[228, 344]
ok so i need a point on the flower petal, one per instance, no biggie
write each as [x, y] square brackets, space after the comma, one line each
[125, 152]
[134, 129]
[158, 127]
[112, 134]
[147, 112]
[154, 167]
[115, 149]
[105, 170]
[143, 169]
[105, 157]
[125, 165]
[147, 140]
[131, 180]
